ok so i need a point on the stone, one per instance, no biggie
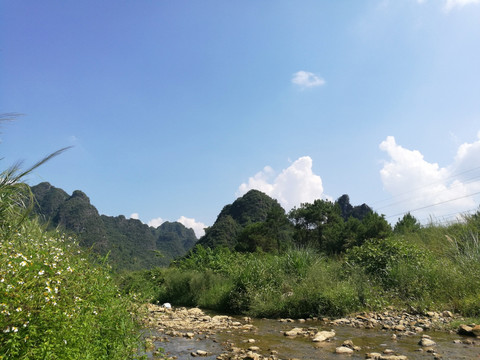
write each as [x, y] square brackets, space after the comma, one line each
[293, 332]
[447, 314]
[373, 355]
[426, 342]
[201, 353]
[252, 356]
[323, 336]
[476, 330]
[348, 343]
[344, 350]
[465, 330]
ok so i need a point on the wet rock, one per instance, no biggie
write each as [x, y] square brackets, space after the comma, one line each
[465, 330]
[426, 342]
[373, 355]
[252, 356]
[323, 336]
[293, 332]
[476, 330]
[344, 350]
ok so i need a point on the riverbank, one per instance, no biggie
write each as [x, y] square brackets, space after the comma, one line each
[391, 335]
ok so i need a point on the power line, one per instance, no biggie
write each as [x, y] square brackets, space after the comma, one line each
[432, 205]
[427, 185]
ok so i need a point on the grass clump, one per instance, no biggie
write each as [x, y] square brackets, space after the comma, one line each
[56, 302]
[431, 268]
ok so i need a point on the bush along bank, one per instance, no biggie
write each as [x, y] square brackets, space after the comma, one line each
[435, 268]
[56, 304]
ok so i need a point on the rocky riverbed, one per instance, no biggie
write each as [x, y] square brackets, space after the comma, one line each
[390, 335]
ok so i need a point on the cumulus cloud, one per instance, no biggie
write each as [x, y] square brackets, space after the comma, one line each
[306, 79]
[292, 186]
[425, 188]
[134, 216]
[156, 222]
[451, 4]
[198, 227]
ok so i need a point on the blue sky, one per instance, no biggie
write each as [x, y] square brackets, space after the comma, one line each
[175, 108]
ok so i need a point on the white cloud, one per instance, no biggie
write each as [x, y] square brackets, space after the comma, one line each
[451, 4]
[156, 222]
[294, 185]
[307, 79]
[134, 216]
[416, 183]
[198, 227]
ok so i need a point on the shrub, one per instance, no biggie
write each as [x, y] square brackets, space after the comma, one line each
[56, 304]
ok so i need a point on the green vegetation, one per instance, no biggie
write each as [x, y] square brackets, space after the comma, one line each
[321, 260]
[130, 244]
[56, 302]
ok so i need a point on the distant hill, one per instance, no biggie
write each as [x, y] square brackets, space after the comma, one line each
[131, 245]
[253, 207]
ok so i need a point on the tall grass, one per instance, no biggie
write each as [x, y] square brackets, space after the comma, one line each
[434, 268]
[55, 301]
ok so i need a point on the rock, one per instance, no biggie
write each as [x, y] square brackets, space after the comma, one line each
[392, 357]
[348, 343]
[343, 350]
[201, 353]
[293, 332]
[167, 306]
[253, 348]
[447, 314]
[323, 336]
[252, 356]
[189, 335]
[373, 356]
[476, 330]
[425, 342]
[465, 330]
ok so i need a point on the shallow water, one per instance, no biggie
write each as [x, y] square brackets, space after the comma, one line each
[269, 336]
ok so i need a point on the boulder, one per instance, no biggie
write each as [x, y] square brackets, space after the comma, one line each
[426, 342]
[293, 332]
[344, 350]
[323, 336]
[476, 330]
[465, 330]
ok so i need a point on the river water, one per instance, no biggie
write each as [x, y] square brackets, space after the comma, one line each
[269, 336]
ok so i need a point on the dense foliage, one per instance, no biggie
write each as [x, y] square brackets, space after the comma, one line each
[316, 261]
[131, 245]
[56, 302]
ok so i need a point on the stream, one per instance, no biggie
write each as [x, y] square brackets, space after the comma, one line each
[268, 335]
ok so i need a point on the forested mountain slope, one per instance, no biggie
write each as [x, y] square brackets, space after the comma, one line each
[130, 244]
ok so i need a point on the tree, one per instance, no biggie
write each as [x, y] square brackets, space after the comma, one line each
[319, 224]
[272, 235]
[407, 224]
[376, 227]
